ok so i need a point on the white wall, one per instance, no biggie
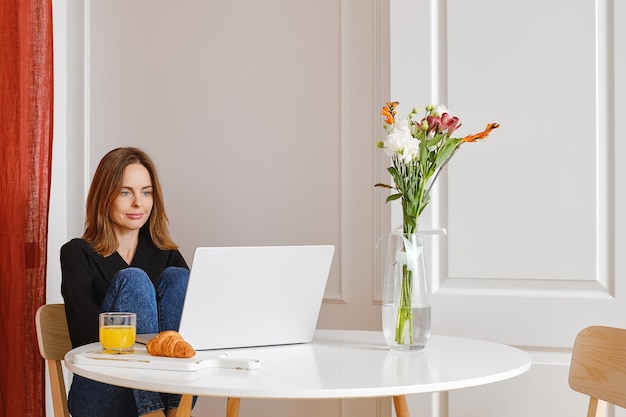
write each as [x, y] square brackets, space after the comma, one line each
[532, 254]
[57, 234]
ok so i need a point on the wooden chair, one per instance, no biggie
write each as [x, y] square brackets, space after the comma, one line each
[598, 367]
[54, 342]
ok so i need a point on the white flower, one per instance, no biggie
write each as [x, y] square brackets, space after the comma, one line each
[439, 110]
[400, 142]
[401, 125]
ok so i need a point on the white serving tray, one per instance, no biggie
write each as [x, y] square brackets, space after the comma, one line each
[142, 359]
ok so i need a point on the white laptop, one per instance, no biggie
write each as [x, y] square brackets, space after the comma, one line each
[254, 296]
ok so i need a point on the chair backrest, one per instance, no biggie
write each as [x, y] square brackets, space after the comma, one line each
[598, 367]
[54, 342]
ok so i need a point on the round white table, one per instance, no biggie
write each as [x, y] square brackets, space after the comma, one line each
[336, 364]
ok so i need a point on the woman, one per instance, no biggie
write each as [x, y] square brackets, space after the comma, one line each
[125, 261]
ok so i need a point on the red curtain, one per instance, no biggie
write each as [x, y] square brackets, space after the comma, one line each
[26, 98]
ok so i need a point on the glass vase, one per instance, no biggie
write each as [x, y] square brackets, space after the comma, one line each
[406, 292]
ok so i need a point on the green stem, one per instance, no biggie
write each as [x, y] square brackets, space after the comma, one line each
[404, 320]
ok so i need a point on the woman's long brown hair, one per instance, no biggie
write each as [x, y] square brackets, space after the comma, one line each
[106, 186]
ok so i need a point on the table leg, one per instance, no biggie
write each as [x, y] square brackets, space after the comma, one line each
[232, 407]
[399, 403]
[184, 408]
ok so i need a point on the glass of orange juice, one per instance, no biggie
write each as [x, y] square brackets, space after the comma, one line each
[118, 331]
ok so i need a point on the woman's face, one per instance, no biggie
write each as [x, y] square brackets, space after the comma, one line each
[133, 205]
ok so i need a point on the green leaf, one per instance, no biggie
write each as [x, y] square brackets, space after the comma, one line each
[447, 152]
[393, 197]
[435, 140]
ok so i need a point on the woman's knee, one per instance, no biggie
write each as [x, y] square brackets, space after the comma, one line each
[173, 278]
[130, 287]
[132, 273]
[133, 279]
[175, 272]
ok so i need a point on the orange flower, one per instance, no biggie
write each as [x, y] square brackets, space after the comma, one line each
[389, 111]
[481, 135]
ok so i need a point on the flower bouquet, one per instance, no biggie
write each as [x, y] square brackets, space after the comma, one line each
[419, 147]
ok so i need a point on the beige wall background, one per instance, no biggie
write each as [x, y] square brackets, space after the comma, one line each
[262, 118]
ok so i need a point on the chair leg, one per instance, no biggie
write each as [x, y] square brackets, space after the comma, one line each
[57, 388]
[232, 407]
[400, 405]
[184, 407]
[597, 408]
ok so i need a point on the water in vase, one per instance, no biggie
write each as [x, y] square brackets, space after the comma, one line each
[420, 328]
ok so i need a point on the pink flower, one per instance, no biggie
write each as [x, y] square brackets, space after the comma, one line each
[449, 123]
[434, 122]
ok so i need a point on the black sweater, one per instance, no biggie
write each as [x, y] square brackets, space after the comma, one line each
[86, 277]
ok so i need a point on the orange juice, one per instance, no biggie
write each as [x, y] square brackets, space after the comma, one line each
[117, 339]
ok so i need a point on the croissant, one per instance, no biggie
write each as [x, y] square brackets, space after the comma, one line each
[170, 343]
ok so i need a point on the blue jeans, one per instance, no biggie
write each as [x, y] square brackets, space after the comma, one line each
[157, 309]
